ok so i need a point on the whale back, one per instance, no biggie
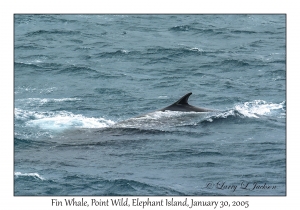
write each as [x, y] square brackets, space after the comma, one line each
[182, 105]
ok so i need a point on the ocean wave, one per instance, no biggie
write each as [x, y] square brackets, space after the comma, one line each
[154, 53]
[59, 120]
[26, 65]
[181, 28]
[95, 185]
[258, 108]
[29, 47]
[28, 142]
[112, 54]
[234, 62]
[77, 70]
[188, 153]
[53, 31]
[23, 89]
[59, 19]
[131, 187]
[110, 91]
[115, 187]
[243, 32]
[216, 31]
[253, 109]
[42, 101]
[30, 175]
[257, 43]
[279, 61]
[185, 28]
[37, 64]
[106, 75]
[174, 51]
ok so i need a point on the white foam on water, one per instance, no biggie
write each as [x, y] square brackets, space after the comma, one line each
[60, 120]
[23, 89]
[257, 108]
[125, 51]
[34, 175]
[163, 97]
[253, 109]
[42, 101]
[196, 49]
[220, 115]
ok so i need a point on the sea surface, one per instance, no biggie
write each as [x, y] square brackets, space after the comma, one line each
[79, 78]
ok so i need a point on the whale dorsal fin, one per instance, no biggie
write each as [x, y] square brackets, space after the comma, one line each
[183, 100]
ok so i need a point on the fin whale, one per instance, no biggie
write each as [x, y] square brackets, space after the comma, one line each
[182, 105]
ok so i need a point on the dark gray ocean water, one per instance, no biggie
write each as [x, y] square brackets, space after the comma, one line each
[77, 77]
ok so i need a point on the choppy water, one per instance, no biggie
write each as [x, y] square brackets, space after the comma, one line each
[77, 77]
